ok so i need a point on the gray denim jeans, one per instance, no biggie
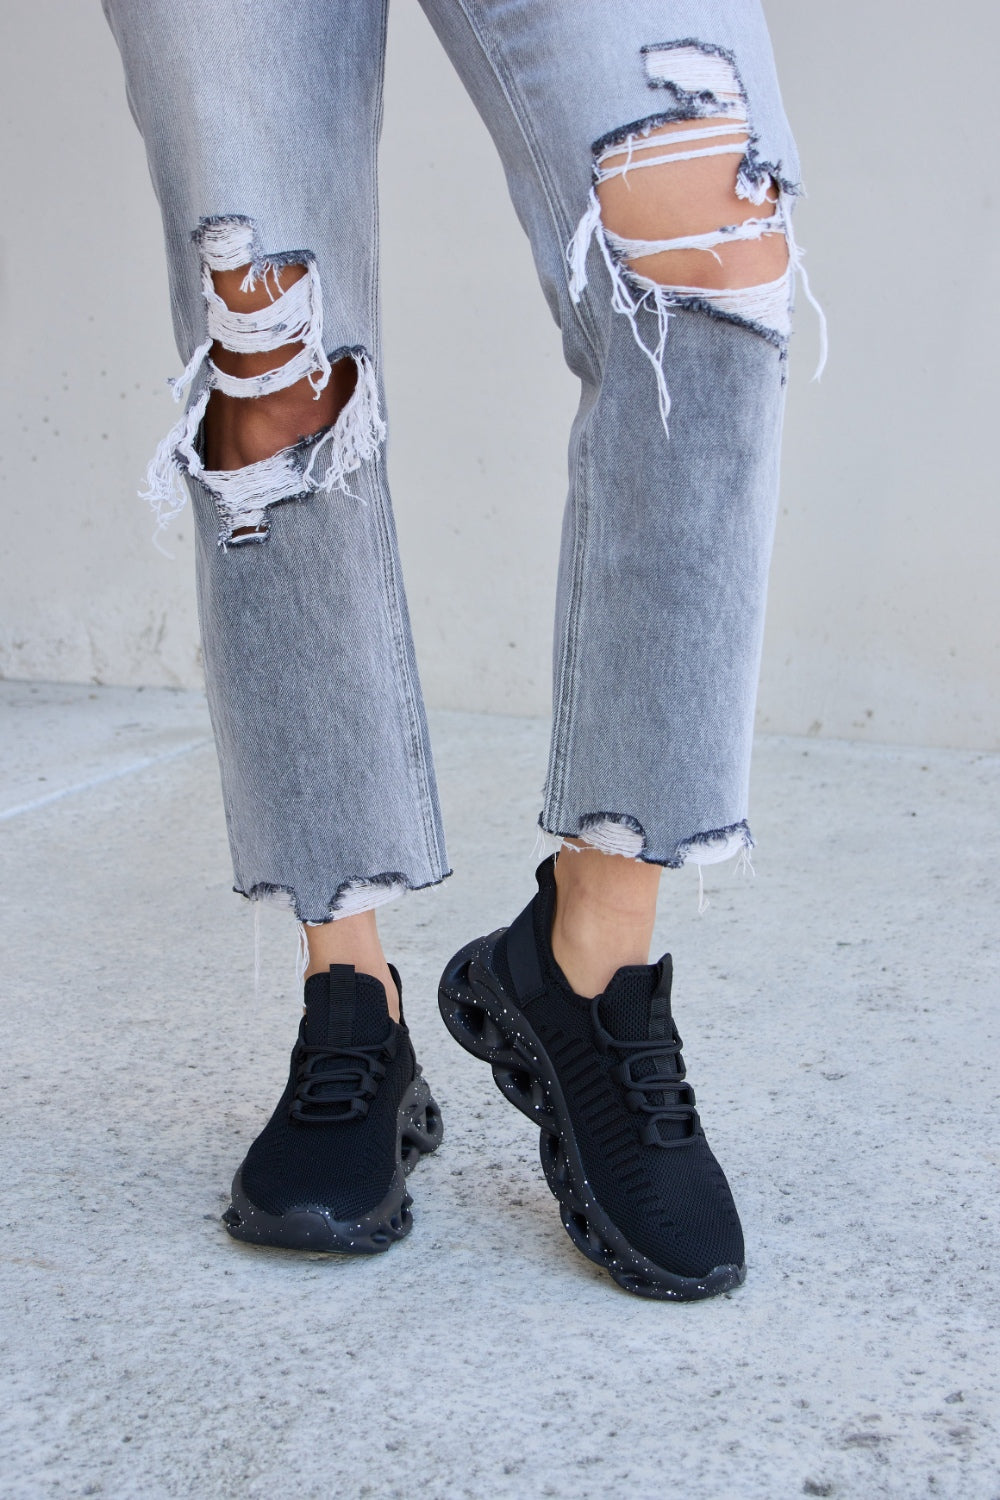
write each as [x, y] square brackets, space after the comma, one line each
[261, 124]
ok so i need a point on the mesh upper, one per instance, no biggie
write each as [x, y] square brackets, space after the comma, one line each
[346, 1166]
[672, 1203]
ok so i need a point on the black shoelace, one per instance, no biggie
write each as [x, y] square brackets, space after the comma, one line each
[659, 1093]
[338, 1086]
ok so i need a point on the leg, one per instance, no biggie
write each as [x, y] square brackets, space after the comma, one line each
[605, 910]
[265, 172]
[264, 166]
[241, 432]
[654, 178]
[606, 907]
[646, 173]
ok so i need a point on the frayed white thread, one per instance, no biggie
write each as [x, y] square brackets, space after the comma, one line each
[622, 300]
[365, 895]
[742, 867]
[606, 837]
[713, 79]
[357, 434]
[243, 496]
[227, 244]
[291, 317]
[579, 246]
[545, 844]
[735, 149]
[716, 848]
[769, 304]
[301, 955]
[611, 837]
[257, 273]
[795, 254]
[697, 72]
[275, 896]
[658, 300]
[750, 229]
[301, 366]
[756, 190]
[165, 493]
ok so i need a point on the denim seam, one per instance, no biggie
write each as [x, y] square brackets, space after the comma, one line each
[421, 772]
[562, 727]
[429, 828]
[522, 120]
[565, 698]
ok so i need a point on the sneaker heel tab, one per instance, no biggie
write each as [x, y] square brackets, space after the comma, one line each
[522, 956]
[399, 993]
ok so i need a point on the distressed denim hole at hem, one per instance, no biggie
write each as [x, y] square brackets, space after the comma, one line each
[351, 897]
[618, 833]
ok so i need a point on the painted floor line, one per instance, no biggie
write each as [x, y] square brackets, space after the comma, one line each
[105, 776]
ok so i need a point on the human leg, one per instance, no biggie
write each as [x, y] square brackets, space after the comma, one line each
[263, 159]
[261, 133]
[655, 179]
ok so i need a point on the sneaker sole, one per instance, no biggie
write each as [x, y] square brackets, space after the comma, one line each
[484, 1021]
[313, 1227]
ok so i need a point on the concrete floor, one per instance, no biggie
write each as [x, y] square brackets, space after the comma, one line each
[840, 1022]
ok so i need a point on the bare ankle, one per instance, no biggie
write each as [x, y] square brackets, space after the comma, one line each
[605, 911]
[352, 940]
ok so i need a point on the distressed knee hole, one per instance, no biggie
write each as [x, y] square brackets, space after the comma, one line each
[253, 425]
[678, 220]
[264, 312]
[271, 416]
[684, 213]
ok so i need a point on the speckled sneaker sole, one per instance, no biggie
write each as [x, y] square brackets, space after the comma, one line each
[313, 1227]
[639, 1190]
[328, 1171]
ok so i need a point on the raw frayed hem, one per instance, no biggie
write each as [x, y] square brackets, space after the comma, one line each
[620, 834]
[350, 898]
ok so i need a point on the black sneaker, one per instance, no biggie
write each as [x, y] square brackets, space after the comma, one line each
[622, 1147]
[328, 1171]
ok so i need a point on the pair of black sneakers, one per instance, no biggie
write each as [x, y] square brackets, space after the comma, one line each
[621, 1144]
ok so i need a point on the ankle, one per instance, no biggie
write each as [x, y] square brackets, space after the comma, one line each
[352, 940]
[604, 916]
[591, 953]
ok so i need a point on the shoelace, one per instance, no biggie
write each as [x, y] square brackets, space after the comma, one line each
[356, 1072]
[666, 1078]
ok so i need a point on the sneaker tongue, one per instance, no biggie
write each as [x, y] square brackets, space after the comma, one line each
[635, 1007]
[345, 1009]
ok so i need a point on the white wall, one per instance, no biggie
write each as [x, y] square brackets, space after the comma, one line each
[882, 622]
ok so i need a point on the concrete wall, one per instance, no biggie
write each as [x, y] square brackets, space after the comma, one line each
[883, 621]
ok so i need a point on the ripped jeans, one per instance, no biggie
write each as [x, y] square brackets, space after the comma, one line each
[261, 124]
